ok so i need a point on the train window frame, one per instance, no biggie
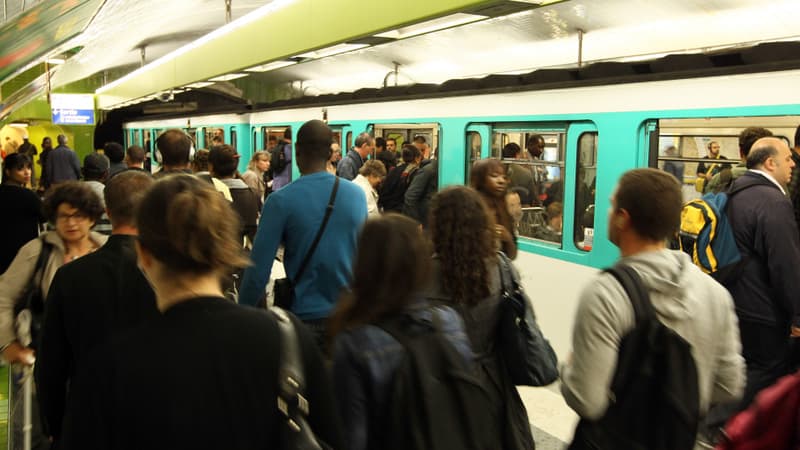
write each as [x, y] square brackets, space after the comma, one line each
[692, 136]
[405, 132]
[233, 135]
[583, 230]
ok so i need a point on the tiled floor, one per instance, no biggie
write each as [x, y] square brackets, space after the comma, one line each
[552, 420]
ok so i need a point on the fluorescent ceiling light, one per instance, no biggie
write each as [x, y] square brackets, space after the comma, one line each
[18, 124]
[270, 66]
[333, 50]
[56, 61]
[441, 23]
[198, 85]
[221, 31]
[228, 77]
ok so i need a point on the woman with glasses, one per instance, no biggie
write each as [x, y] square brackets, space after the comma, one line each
[72, 208]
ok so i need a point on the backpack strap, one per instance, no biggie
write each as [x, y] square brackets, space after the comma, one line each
[637, 293]
[321, 230]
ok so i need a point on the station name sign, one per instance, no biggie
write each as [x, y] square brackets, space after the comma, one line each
[72, 109]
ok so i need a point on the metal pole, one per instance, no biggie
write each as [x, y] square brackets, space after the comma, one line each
[580, 48]
[228, 11]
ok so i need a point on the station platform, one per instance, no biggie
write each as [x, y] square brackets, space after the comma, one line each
[552, 421]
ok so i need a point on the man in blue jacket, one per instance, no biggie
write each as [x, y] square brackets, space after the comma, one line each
[766, 292]
[292, 217]
[355, 158]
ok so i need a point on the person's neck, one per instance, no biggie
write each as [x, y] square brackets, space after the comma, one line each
[177, 289]
[314, 168]
[11, 182]
[78, 248]
[634, 245]
[175, 168]
[136, 166]
[124, 230]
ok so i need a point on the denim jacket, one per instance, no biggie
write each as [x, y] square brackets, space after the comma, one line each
[364, 362]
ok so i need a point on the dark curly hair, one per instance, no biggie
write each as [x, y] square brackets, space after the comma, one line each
[462, 230]
[76, 194]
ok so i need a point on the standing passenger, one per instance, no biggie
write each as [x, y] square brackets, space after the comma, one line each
[794, 185]
[204, 374]
[134, 158]
[645, 211]
[222, 163]
[47, 148]
[23, 209]
[370, 175]
[292, 217]
[489, 179]
[116, 156]
[62, 163]
[174, 146]
[91, 300]
[254, 175]
[95, 173]
[355, 158]
[30, 151]
[390, 272]
[280, 178]
[765, 293]
[466, 275]
[722, 181]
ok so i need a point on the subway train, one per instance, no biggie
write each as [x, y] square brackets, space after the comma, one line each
[597, 122]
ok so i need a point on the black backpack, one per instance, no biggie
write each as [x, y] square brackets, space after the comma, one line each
[393, 189]
[436, 401]
[277, 158]
[656, 397]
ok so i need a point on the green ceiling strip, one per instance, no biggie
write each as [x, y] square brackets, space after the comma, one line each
[41, 29]
[298, 27]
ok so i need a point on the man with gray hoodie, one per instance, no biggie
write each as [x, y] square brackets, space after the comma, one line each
[645, 211]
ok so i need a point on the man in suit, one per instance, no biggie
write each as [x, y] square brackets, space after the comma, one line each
[90, 300]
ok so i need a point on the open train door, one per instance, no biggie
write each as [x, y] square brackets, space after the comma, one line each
[651, 134]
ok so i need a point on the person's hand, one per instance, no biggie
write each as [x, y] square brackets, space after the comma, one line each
[16, 353]
[795, 331]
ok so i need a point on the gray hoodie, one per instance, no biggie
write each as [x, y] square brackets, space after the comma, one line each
[686, 300]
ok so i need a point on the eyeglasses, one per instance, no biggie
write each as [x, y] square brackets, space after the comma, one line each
[78, 216]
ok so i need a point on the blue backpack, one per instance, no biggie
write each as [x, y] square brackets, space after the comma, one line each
[706, 235]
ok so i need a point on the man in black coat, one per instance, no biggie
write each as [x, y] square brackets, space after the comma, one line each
[90, 300]
[766, 293]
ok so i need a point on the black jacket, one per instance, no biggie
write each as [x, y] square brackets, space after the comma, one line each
[419, 193]
[23, 212]
[204, 375]
[90, 300]
[766, 234]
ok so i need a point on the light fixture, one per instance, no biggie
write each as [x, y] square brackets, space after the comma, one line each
[332, 50]
[55, 61]
[228, 77]
[429, 26]
[18, 124]
[221, 31]
[198, 85]
[270, 66]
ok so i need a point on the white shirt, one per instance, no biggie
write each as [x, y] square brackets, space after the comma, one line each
[770, 178]
[372, 196]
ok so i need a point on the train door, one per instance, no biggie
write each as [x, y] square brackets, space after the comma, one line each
[579, 184]
[339, 133]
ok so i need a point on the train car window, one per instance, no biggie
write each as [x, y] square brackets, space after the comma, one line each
[585, 191]
[535, 163]
[254, 145]
[192, 133]
[701, 153]
[426, 133]
[349, 141]
[233, 138]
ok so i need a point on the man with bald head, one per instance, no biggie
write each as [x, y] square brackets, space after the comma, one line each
[293, 216]
[766, 291]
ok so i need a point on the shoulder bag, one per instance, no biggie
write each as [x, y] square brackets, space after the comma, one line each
[293, 407]
[527, 355]
[29, 307]
[284, 287]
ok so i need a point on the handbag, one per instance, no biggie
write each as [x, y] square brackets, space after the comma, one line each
[293, 406]
[283, 288]
[527, 355]
[29, 307]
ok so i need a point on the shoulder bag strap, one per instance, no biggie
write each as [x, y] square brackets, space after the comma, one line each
[321, 230]
[292, 402]
[637, 293]
[38, 271]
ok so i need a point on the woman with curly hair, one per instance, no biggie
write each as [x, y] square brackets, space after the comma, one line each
[72, 208]
[466, 274]
[488, 177]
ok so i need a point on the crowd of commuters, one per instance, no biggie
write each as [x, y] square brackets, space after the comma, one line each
[141, 314]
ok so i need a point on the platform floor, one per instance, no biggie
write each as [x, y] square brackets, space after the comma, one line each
[552, 421]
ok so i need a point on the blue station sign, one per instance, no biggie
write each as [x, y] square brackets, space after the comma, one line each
[72, 109]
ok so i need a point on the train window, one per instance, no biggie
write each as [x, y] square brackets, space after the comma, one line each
[271, 136]
[585, 191]
[535, 163]
[699, 152]
[254, 145]
[473, 146]
[233, 138]
[349, 141]
[192, 133]
[425, 133]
